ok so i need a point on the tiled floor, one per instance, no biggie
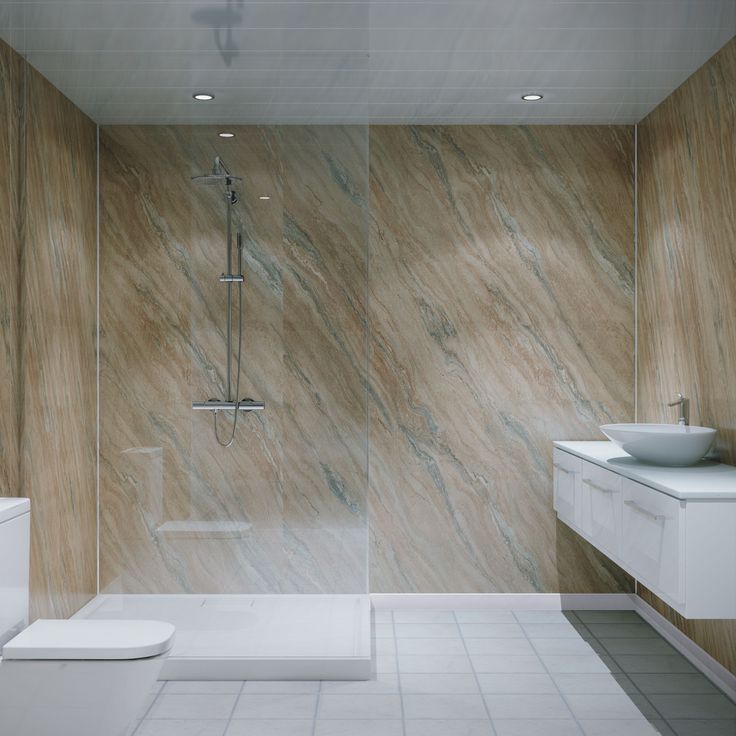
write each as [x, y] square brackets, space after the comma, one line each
[472, 673]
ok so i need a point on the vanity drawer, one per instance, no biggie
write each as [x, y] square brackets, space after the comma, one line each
[653, 539]
[602, 491]
[567, 470]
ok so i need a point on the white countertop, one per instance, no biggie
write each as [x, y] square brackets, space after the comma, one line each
[706, 480]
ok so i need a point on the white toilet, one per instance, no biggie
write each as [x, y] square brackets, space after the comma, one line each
[67, 677]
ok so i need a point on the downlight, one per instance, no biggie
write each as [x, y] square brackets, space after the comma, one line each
[226, 134]
[532, 97]
[203, 96]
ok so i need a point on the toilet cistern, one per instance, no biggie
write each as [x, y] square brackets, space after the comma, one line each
[684, 404]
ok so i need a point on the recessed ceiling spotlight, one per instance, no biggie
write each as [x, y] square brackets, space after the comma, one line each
[203, 96]
[264, 197]
[533, 97]
[226, 134]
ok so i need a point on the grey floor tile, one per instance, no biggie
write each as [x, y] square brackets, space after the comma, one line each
[424, 617]
[569, 647]
[193, 686]
[631, 663]
[530, 727]
[485, 617]
[619, 706]
[200, 706]
[270, 727]
[448, 728]
[638, 630]
[702, 727]
[492, 631]
[546, 617]
[511, 706]
[276, 705]
[338, 706]
[430, 646]
[182, 728]
[359, 728]
[516, 683]
[593, 683]
[499, 646]
[638, 646]
[507, 663]
[693, 705]
[427, 631]
[673, 683]
[609, 617]
[563, 630]
[285, 686]
[579, 664]
[446, 706]
[438, 683]
[630, 727]
[384, 682]
[431, 664]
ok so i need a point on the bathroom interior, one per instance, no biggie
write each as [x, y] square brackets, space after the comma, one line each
[368, 368]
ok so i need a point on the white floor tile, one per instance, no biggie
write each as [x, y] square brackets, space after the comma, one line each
[636, 727]
[516, 683]
[639, 630]
[382, 616]
[545, 617]
[427, 631]
[384, 646]
[182, 728]
[505, 663]
[593, 683]
[448, 706]
[637, 646]
[431, 664]
[276, 705]
[438, 683]
[703, 727]
[556, 631]
[383, 631]
[359, 728]
[448, 728]
[281, 686]
[609, 617]
[269, 727]
[201, 706]
[143, 711]
[207, 686]
[430, 646]
[492, 631]
[593, 706]
[694, 705]
[673, 683]
[485, 617]
[384, 682]
[526, 727]
[359, 706]
[569, 646]
[385, 663]
[424, 617]
[580, 664]
[499, 646]
[527, 707]
[631, 664]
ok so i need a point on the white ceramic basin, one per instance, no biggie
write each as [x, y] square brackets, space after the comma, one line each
[662, 444]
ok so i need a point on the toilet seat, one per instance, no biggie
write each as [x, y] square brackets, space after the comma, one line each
[53, 639]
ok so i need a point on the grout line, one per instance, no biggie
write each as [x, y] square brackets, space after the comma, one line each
[398, 675]
[549, 674]
[475, 674]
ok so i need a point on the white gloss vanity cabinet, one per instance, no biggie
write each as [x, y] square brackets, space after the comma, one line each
[673, 529]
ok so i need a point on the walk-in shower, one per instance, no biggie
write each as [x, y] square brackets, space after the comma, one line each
[221, 176]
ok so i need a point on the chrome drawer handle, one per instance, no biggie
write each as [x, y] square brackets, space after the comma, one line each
[565, 470]
[646, 512]
[599, 488]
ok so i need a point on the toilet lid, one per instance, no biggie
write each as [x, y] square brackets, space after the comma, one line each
[90, 639]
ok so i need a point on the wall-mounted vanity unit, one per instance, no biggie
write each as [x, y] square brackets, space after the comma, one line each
[673, 529]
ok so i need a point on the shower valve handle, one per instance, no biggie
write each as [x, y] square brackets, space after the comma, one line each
[232, 278]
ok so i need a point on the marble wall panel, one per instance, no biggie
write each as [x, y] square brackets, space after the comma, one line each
[285, 505]
[501, 318]
[687, 272]
[11, 186]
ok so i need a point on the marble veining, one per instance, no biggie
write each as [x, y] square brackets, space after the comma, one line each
[501, 315]
[294, 483]
[687, 272]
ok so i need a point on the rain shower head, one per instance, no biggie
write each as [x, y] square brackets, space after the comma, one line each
[218, 175]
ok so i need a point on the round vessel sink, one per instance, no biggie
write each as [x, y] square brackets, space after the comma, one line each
[671, 445]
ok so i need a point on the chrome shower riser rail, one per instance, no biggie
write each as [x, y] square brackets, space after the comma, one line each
[247, 405]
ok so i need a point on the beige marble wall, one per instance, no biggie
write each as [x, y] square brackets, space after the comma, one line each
[295, 479]
[11, 116]
[501, 293]
[687, 271]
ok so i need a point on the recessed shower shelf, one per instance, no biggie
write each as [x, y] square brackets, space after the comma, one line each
[244, 405]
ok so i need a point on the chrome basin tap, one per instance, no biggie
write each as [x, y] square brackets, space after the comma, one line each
[684, 404]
